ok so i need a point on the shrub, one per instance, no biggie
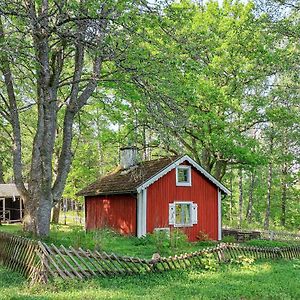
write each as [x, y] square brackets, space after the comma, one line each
[178, 239]
[243, 261]
[208, 262]
[202, 236]
[161, 241]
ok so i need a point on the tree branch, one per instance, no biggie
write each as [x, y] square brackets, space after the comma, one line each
[14, 118]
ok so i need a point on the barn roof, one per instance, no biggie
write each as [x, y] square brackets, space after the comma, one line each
[126, 180]
[9, 190]
[141, 176]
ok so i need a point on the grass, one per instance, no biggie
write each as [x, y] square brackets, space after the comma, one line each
[110, 241]
[261, 280]
[264, 280]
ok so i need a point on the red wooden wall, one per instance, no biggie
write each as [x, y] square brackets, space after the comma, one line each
[116, 211]
[202, 192]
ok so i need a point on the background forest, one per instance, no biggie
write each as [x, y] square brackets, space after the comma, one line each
[219, 82]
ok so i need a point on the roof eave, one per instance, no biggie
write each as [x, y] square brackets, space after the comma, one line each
[106, 193]
[175, 164]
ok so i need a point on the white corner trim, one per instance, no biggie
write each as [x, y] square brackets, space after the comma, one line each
[177, 163]
[189, 182]
[139, 215]
[219, 216]
[142, 213]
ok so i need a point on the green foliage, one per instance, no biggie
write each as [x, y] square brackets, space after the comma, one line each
[213, 81]
[264, 243]
[228, 239]
[296, 264]
[178, 239]
[204, 244]
[100, 238]
[144, 240]
[274, 280]
[161, 241]
[243, 261]
[209, 262]
[78, 236]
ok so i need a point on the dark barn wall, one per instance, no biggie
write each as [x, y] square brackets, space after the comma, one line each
[202, 192]
[115, 211]
[14, 207]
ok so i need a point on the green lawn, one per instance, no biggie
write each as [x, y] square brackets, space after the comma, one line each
[264, 280]
[109, 241]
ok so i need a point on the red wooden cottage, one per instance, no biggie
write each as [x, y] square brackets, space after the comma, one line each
[164, 193]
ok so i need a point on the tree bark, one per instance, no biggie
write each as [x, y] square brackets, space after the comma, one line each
[283, 195]
[231, 195]
[250, 203]
[1, 173]
[13, 118]
[240, 197]
[270, 178]
[56, 212]
[43, 189]
[220, 169]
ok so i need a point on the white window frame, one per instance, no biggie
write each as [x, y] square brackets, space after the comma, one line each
[191, 212]
[186, 183]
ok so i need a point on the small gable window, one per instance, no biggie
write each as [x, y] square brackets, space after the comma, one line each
[183, 176]
[183, 213]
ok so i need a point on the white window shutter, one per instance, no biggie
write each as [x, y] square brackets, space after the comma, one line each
[171, 213]
[194, 213]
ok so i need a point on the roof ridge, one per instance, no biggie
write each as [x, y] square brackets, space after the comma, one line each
[118, 180]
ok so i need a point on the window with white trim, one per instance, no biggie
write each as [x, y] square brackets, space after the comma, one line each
[183, 213]
[183, 176]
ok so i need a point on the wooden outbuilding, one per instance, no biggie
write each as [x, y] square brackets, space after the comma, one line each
[161, 194]
[11, 204]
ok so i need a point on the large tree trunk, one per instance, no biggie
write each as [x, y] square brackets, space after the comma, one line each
[240, 197]
[30, 216]
[12, 117]
[56, 213]
[250, 203]
[48, 60]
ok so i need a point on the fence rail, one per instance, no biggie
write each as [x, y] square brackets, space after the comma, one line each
[40, 262]
[20, 254]
[271, 235]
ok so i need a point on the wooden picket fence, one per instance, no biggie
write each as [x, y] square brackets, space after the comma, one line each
[40, 262]
[20, 254]
[242, 235]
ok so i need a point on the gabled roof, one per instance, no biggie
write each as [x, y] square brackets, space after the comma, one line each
[9, 190]
[142, 175]
[127, 180]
